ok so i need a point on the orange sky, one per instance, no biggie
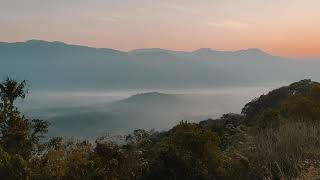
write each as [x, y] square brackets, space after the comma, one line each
[280, 27]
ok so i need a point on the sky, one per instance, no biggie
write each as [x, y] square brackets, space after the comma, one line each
[281, 27]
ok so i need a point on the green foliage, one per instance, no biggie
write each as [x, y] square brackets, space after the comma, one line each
[268, 119]
[11, 89]
[187, 152]
[13, 166]
[19, 136]
[303, 107]
[219, 125]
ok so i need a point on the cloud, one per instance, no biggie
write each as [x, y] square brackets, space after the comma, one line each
[109, 18]
[178, 7]
[248, 20]
[230, 24]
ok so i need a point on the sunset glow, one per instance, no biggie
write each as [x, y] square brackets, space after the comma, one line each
[286, 28]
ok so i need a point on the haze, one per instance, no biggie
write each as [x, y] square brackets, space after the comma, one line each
[286, 27]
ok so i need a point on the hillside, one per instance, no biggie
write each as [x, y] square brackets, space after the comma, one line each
[304, 93]
[144, 110]
[276, 136]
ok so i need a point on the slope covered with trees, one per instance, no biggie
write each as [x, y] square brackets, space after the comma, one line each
[276, 137]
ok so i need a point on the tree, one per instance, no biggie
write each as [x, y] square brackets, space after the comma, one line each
[19, 136]
[11, 89]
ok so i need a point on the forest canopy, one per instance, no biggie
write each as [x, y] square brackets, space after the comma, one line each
[275, 137]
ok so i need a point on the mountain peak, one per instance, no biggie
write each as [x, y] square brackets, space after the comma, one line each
[204, 50]
[150, 97]
[153, 50]
[255, 51]
[36, 41]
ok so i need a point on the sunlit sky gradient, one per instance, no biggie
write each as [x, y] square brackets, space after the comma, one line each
[280, 27]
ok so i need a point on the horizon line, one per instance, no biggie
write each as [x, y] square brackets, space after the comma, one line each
[158, 48]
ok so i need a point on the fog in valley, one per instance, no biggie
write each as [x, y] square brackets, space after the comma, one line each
[94, 113]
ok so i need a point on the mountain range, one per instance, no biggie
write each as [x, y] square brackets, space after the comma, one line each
[56, 65]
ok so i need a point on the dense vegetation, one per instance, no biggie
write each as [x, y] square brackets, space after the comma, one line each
[277, 136]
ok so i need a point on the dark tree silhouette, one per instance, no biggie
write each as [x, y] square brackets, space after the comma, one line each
[11, 89]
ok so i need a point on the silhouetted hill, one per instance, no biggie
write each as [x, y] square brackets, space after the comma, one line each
[144, 110]
[274, 99]
[149, 98]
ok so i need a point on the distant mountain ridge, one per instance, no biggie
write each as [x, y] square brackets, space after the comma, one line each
[64, 66]
[135, 51]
